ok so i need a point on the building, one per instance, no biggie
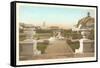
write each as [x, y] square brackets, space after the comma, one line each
[85, 23]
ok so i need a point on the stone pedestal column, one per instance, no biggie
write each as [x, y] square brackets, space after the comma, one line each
[86, 45]
[36, 51]
[28, 47]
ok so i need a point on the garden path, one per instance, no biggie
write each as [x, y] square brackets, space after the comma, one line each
[59, 48]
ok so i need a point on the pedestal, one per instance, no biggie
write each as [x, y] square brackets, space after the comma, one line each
[28, 48]
[86, 46]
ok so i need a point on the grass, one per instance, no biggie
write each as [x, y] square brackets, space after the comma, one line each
[42, 47]
[73, 45]
[21, 38]
[42, 35]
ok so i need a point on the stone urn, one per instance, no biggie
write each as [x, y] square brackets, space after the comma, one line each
[85, 34]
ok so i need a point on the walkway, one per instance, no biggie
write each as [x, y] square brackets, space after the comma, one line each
[59, 49]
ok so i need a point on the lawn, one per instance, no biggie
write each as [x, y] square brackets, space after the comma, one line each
[42, 47]
[42, 35]
[73, 45]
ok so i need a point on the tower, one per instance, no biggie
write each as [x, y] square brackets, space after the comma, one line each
[88, 14]
[44, 24]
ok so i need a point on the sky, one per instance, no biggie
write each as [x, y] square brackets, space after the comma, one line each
[56, 16]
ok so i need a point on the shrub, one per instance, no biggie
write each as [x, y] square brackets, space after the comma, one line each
[43, 31]
[73, 45]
